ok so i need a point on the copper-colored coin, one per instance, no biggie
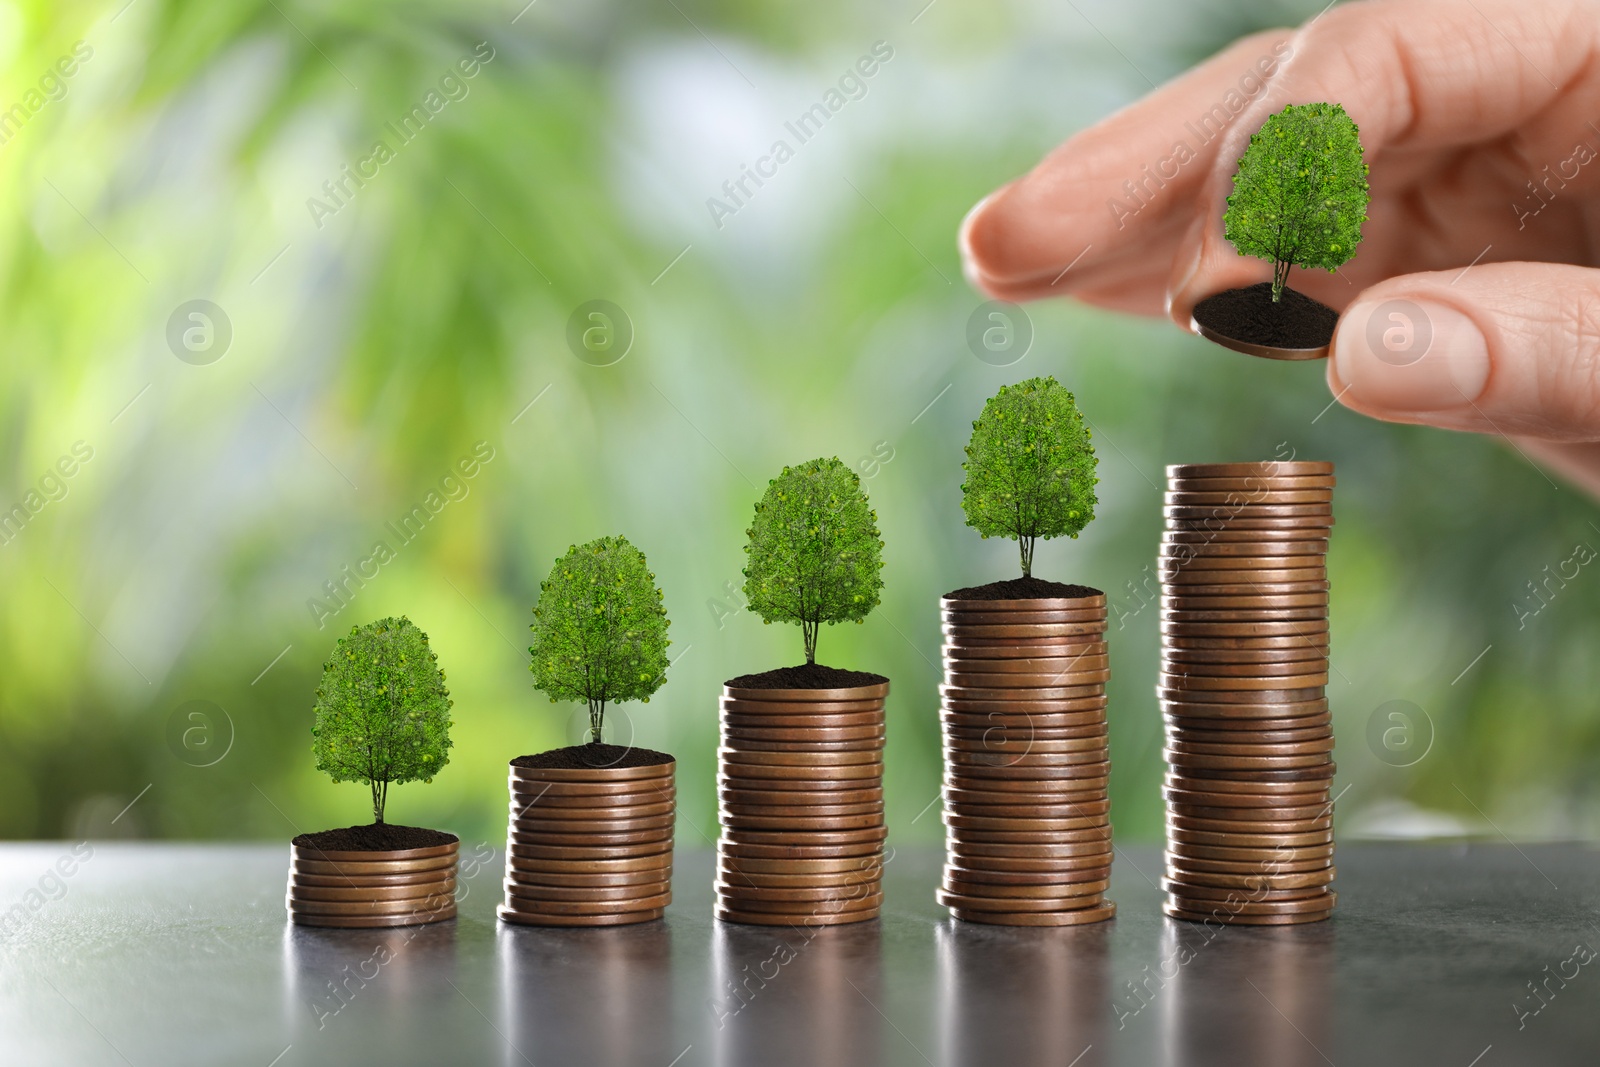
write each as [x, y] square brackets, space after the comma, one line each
[1250, 782]
[586, 853]
[1200, 895]
[1073, 917]
[298, 876]
[811, 747]
[1184, 880]
[1188, 761]
[1069, 787]
[1190, 683]
[1249, 817]
[802, 709]
[1214, 716]
[1232, 726]
[798, 823]
[1284, 695]
[1177, 601]
[1245, 826]
[954, 651]
[1088, 892]
[855, 899]
[1297, 526]
[1181, 645]
[585, 867]
[1182, 658]
[1269, 801]
[1260, 859]
[1176, 912]
[970, 762]
[955, 620]
[794, 797]
[592, 774]
[1241, 840]
[1043, 712]
[1093, 602]
[1227, 500]
[1318, 903]
[1187, 583]
[590, 838]
[519, 894]
[1231, 513]
[369, 894]
[993, 740]
[1056, 889]
[1303, 619]
[539, 818]
[755, 918]
[547, 822]
[528, 906]
[975, 775]
[598, 881]
[372, 867]
[431, 852]
[1250, 745]
[1313, 630]
[1292, 669]
[592, 801]
[1187, 562]
[624, 918]
[876, 691]
[1275, 866]
[372, 921]
[774, 806]
[748, 895]
[1266, 468]
[733, 848]
[982, 854]
[738, 783]
[1008, 730]
[1035, 677]
[1181, 544]
[991, 868]
[579, 790]
[845, 871]
[1054, 698]
[854, 773]
[850, 720]
[734, 734]
[404, 906]
[821, 760]
[832, 884]
[961, 854]
[1071, 666]
[839, 837]
[1019, 825]
[1219, 483]
[1083, 631]
[1031, 837]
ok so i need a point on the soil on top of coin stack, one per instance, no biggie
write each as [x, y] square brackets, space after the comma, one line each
[1249, 314]
[806, 676]
[592, 755]
[374, 837]
[1023, 589]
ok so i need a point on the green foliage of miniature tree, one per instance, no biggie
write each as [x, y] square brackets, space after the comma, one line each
[1300, 194]
[814, 555]
[1030, 467]
[382, 712]
[600, 629]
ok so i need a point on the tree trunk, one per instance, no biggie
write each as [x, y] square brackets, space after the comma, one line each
[808, 631]
[1025, 545]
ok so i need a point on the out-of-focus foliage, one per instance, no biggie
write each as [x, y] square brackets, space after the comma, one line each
[221, 519]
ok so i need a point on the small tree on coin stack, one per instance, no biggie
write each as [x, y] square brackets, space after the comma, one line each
[1030, 467]
[801, 763]
[383, 718]
[1023, 705]
[590, 835]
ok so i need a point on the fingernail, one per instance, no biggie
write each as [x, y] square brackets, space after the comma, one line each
[1410, 355]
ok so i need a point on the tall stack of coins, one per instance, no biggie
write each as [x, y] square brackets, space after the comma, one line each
[800, 791]
[1023, 714]
[589, 846]
[1244, 646]
[403, 887]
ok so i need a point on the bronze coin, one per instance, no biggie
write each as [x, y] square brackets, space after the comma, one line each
[976, 775]
[751, 918]
[1296, 526]
[812, 777]
[1179, 600]
[592, 801]
[873, 731]
[1229, 499]
[808, 709]
[1254, 724]
[1292, 669]
[417, 918]
[802, 722]
[1055, 698]
[1181, 544]
[431, 903]
[1242, 840]
[520, 918]
[1034, 792]
[1051, 665]
[579, 789]
[1314, 630]
[1257, 814]
[1214, 800]
[851, 901]
[1256, 782]
[1043, 712]
[1313, 904]
[821, 760]
[1182, 658]
[1021, 728]
[518, 837]
[977, 762]
[838, 837]
[1182, 646]
[1183, 879]
[1087, 892]
[1244, 716]
[1196, 865]
[599, 866]
[572, 881]
[1083, 631]
[1250, 745]
[875, 691]
[1192, 683]
[592, 774]
[832, 883]
[1266, 468]
[589, 852]
[1261, 859]
[1073, 917]
[529, 906]
[1055, 890]
[358, 869]
[831, 786]
[796, 823]
[844, 867]
[959, 821]
[298, 876]
[1190, 582]
[1012, 650]
[993, 868]
[1189, 762]
[443, 854]
[1100, 834]
[544, 822]
[1188, 562]
[1244, 826]
[808, 747]
[1095, 601]
[1069, 786]
[538, 816]
[1200, 895]
[1045, 682]
[1228, 514]
[1224, 482]
[1304, 620]
[1172, 911]
[369, 894]
[794, 797]
[856, 851]
[981, 854]
[955, 620]
[519, 894]
[776, 807]
[995, 742]
[747, 895]
[1285, 695]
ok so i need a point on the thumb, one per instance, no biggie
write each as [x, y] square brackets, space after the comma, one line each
[1505, 348]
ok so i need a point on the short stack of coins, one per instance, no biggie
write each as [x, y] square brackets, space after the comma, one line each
[1023, 717]
[589, 846]
[800, 800]
[404, 887]
[1244, 669]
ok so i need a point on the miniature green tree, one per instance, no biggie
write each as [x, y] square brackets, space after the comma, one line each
[600, 629]
[1300, 194]
[382, 712]
[1030, 467]
[814, 553]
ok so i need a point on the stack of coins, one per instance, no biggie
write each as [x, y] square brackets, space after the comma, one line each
[1023, 715]
[800, 792]
[1244, 647]
[405, 887]
[589, 846]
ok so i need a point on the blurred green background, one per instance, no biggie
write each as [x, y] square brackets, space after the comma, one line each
[381, 337]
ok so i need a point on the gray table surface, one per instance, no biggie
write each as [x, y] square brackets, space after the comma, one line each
[180, 954]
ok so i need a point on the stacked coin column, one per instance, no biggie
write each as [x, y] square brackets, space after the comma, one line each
[1023, 715]
[1244, 645]
[404, 887]
[589, 846]
[800, 791]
